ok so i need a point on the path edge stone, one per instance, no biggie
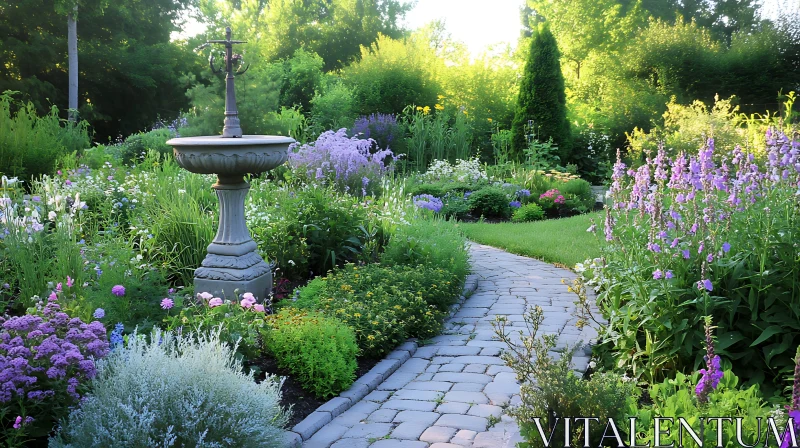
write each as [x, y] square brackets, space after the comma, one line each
[367, 383]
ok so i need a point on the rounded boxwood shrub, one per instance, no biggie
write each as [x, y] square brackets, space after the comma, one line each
[431, 189]
[581, 192]
[528, 212]
[490, 202]
[320, 352]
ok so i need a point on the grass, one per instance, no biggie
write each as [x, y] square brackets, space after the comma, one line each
[559, 241]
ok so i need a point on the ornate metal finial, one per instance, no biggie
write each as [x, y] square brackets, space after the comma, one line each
[232, 128]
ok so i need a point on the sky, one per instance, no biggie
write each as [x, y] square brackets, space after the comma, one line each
[477, 23]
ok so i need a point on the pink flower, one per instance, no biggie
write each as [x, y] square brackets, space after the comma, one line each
[259, 307]
[53, 297]
[167, 303]
[118, 290]
[215, 302]
[205, 295]
[248, 300]
[70, 282]
[18, 422]
[59, 286]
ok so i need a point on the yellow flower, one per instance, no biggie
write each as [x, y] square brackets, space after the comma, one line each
[490, 120]
[438, 107]
[419, 107]
[371, 337]
[441, 97]
[357, 315]
[426, 110]
[374, 322]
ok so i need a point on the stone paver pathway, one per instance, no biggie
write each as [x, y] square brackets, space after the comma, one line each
[453, 391]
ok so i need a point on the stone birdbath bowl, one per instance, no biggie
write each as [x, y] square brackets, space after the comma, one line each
[232, 264]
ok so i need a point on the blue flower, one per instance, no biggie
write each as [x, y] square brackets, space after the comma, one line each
[515, 204]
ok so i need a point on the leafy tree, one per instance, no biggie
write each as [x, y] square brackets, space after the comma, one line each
[302, 76]
[723, 17]
[393, 74]
[584, 27]
[541, 97]
[334, 29]
[130, 72]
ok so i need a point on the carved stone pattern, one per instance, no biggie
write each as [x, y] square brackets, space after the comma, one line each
[237, 161]
[221, 261]
[214, 273]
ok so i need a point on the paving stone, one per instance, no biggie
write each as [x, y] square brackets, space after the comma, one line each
[398, 444]
[465, 434]
[360, 411]
[490, 351]
[501, 387]
[463, 378]
[312, 424]
[429, 385]
[458, 351]
[481, 359]
[459, 421]
[485, 410]
[436, 434]
[378, 395]
[368, 431]
[444, 445]
[498, 399]
[475, 368]
[451, 367]
[382, 416]
[422, 395]
[494, 370]
[292, 439]
[409, 405]
[426, 352]
[467, 387]
[413, 365]
[453, 407]
[397, 380]
[409, 430]
[417, 417]
[326, 436]
[466, 397]
[424, 377]
[432, 368]
[335, 406]
[351, 443]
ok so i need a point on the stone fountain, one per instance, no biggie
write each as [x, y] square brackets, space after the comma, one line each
[232, 262]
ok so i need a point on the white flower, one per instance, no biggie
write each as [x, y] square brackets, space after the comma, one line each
[51, 215]
[592, 364]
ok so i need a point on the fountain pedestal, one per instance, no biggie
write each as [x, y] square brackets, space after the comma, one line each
[232, 262]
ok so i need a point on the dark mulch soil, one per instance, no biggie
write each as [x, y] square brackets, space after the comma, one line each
[303, 403]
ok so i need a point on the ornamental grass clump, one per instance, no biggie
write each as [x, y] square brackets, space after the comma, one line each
[343, 162]
[725, 226]
[46, 360]
[175, 390]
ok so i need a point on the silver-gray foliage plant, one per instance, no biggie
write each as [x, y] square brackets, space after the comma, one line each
[173, 390]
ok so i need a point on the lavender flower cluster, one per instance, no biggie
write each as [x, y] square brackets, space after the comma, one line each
[346, 163]
[381, 128]
[429, 202]
[46, 357]
[684, 205]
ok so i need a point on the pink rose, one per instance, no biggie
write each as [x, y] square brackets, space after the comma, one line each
[215, 302]
[204, 295]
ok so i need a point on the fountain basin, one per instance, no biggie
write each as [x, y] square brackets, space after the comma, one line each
[230, 157]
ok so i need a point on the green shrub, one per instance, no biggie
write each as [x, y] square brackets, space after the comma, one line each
[175, 390]
[320, 352]
[135, 147]
[333, 109]
[311, 229]
[581, 194]
[31, 145]
[454, 205]
[436, 190]
[551, 388]
[382, 313]
[528, 212]
[490, 202]
[429, 243]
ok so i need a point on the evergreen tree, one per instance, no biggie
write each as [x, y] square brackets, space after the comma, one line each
[542, 97]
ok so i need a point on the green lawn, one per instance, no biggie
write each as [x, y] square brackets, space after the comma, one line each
[561, 241]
